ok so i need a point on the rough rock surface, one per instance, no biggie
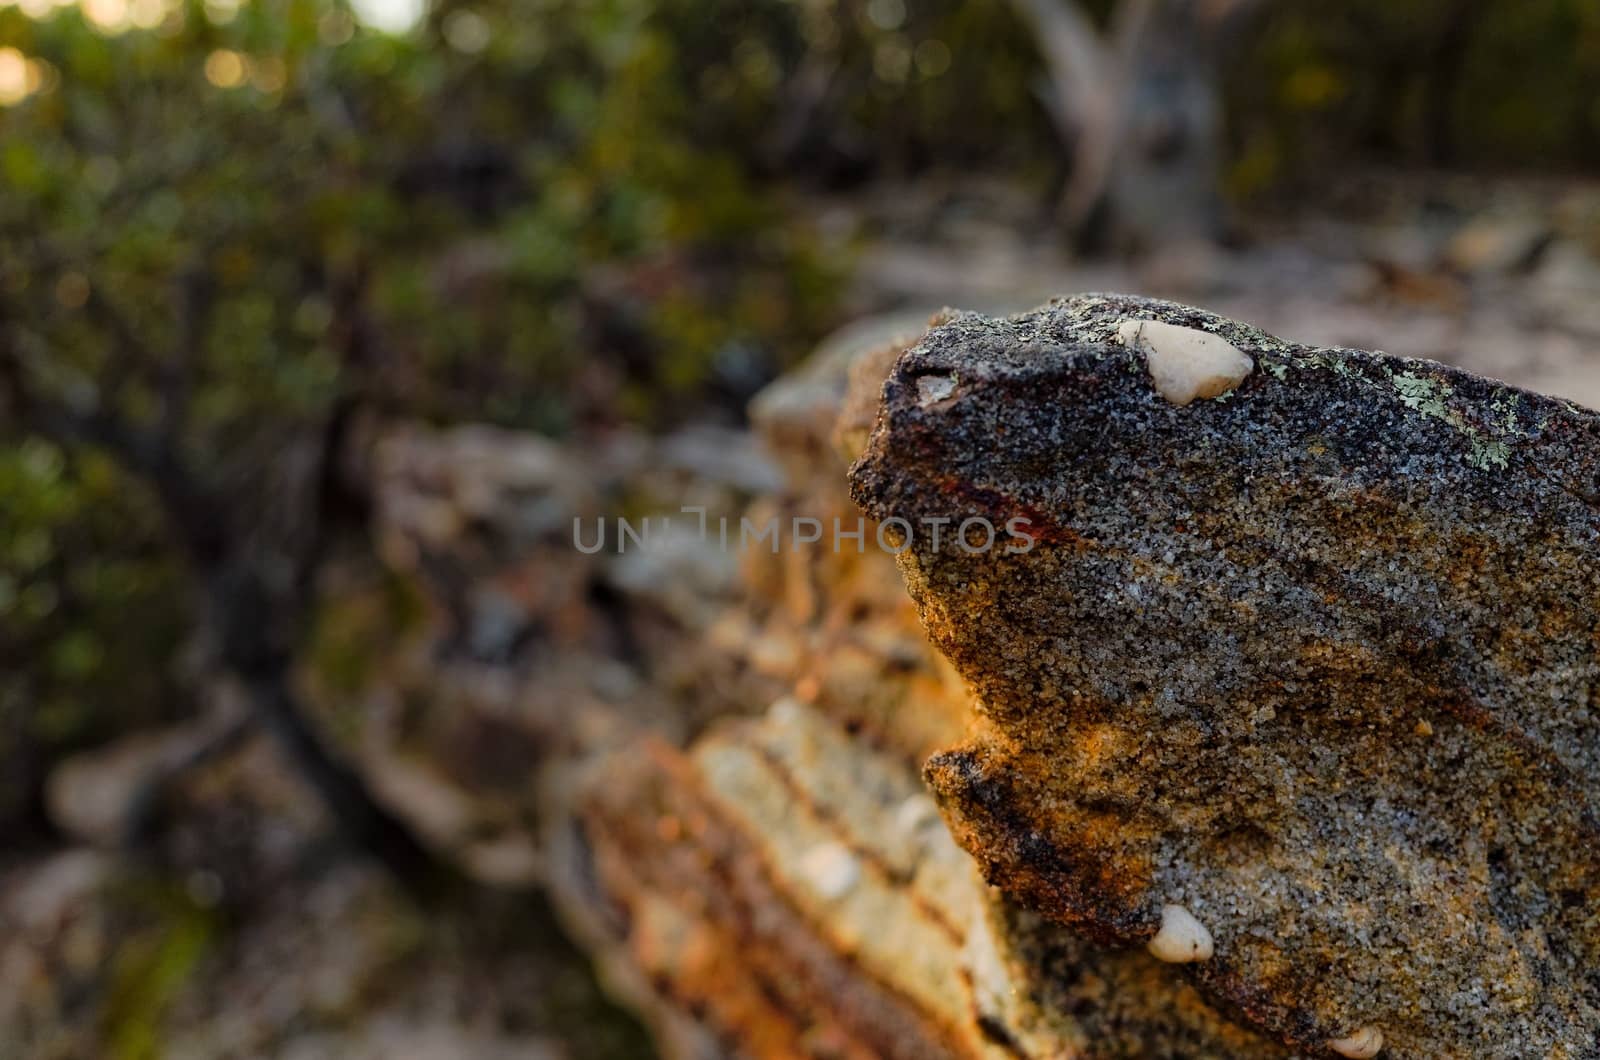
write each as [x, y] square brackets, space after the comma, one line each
[784, 886]
[782, 890]
[1317, 660]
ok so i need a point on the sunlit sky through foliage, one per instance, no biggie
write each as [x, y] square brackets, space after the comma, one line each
[119, 16]
[396, 16]
[22, 75]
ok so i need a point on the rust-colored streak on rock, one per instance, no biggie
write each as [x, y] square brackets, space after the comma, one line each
[1075, 874]
[1315, 660]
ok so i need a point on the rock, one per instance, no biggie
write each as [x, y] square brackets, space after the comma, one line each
[784, 885]
[1045, 985]
[709, 934]
[39, 901]
[780, 882]
[1181, 939]
[396, 1039]
[95, 794]
[1204, 667]
[795, 416]
[720, 455]
[1498, 244]
[863, 661]
[779, 887]
[473, 492]
[1563, 291]
[56, 943]
[678, 570]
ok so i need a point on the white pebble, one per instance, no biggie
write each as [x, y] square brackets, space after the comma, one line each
[932, 389]
[1182, 938]
[831, 869]
[1360, 1045]
[1186, 363]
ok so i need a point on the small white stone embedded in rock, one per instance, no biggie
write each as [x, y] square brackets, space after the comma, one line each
[932, 389]
[1186, 363]
[1182, 938]
[831, 869]
[1360, 1045]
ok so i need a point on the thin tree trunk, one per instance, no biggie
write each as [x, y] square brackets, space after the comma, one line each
[1138, 111]
[366, 824]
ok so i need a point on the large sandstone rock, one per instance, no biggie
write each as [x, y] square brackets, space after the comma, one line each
[1301, 652]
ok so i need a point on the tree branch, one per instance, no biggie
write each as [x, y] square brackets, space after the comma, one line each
[1089, 77]
[366, 824]
[1077, 58]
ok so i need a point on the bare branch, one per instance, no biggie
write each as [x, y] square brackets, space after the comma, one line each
[1078, 60]
[1097, 149]
[1167, 46]
[366, 823]
[1090, 75]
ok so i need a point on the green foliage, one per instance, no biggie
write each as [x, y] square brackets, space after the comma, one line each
[220, 226]
[465, 202]
[1508, 85]
[90, 609]
[166, 936]
[540, 212]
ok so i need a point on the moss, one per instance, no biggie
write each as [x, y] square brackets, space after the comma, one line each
[152, 964]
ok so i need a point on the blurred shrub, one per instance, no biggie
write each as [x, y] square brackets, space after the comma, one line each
[1505, 85]
[88, 597]
[220, 218]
